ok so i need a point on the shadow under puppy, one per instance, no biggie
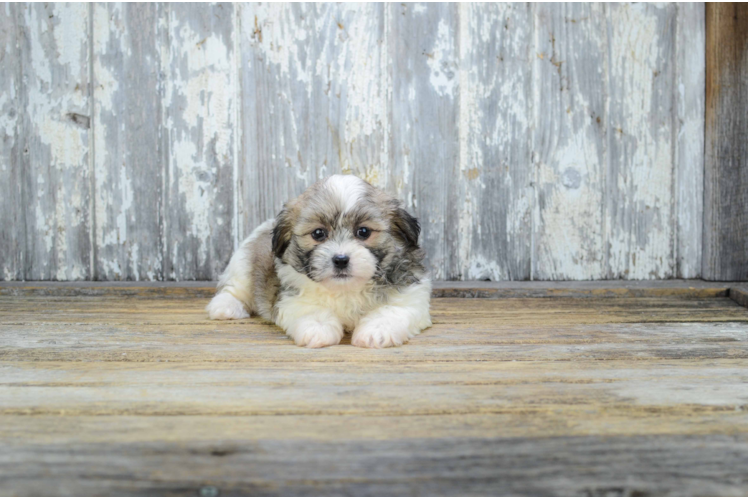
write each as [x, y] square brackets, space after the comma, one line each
[342, 257]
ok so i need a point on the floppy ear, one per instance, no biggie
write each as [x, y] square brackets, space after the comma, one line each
[405, 227]
[282, 233]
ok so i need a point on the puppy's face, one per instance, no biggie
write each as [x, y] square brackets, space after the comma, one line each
[343, 233]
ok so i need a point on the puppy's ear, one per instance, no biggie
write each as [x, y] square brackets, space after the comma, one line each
[282, 233]
[405, 227]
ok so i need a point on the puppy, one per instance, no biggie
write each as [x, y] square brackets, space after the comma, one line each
[342, 257]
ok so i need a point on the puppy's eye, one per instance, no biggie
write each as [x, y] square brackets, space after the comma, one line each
[363, 233]
[319, 234]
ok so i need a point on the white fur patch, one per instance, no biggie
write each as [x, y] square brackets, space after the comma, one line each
[373, 323]
[226, 306]
[348, 188]
[320, 329]
[406, 314]
[235, 280]
[386, 327]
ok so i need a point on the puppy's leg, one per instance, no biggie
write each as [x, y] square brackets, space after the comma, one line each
[317, 329]
[234, 299]
[233, 289]
[406, 314]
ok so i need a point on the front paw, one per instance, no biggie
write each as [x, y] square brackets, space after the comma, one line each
[313, 333]
[380, 333]
[226, 306]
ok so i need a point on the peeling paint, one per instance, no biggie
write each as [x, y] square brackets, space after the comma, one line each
[530, 146]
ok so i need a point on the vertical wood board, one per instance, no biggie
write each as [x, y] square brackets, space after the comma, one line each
[689, 147]
[491, 233]
[639, 224]
[12, 224]
[127, 128]
[55, 137]
[569, 140]
[425, 95]
[200, 116]
[725, 232]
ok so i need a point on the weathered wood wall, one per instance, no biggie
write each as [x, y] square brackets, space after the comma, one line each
[145, 141]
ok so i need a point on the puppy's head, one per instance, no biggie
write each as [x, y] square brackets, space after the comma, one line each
[343, 233]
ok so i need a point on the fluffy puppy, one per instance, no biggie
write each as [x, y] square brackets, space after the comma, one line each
[342, 257]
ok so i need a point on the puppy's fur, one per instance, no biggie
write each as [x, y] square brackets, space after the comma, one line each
[286, 270]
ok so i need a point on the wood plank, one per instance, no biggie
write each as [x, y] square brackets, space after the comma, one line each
[568, 466]
[425, 98]
[639, 228]
[55, 138]
[690, 94]
[740, 295]
[12, 216]
[315, 100]
[453, 289]
[671, 387]
[57, 429]
[127, 138]
[151, 330]
[516, 311]
[200, 111]
[726, 148]
[569, 140]
[489, 227]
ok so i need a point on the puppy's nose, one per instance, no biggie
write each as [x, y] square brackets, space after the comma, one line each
[340, 261]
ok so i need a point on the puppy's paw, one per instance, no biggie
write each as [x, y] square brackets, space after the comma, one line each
[380, 332]
[226, 306]
[314, 333]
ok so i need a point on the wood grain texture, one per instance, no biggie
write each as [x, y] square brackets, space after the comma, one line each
[570, 141]
[127, 139]
[579, 466]
[142, 395]
[492, 194]
[55, 139]
[726, 170]
[200, 115]
[12, 214]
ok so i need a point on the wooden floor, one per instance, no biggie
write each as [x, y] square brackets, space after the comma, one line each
[539, 389]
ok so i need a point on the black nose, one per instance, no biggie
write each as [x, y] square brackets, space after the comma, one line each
[340, 261]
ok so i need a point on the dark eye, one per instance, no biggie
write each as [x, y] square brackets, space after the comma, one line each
[363, 233]
[319, 234]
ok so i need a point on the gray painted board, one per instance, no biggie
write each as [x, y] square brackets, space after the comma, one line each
[425, 135]
[570, 141]
[55, 137]
[690, 67]
[127, 120]
[533, 141]
[12, 225]
[492, 232]
[639, 230]
[200, 107]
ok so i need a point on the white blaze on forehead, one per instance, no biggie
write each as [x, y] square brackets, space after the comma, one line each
[349, 190]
